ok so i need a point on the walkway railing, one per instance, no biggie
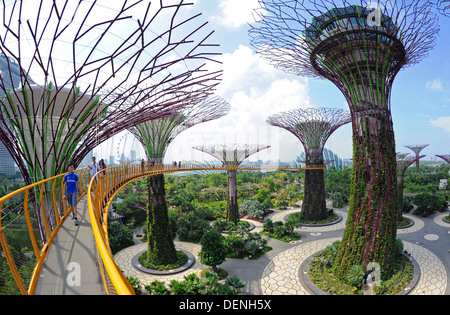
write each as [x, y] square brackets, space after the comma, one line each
[30, 218]
[106, 185]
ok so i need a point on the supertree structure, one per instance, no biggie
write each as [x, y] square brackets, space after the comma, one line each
[156, 135]
[444, 6]
[81, 77]
[445, 157]
[359, 46]
[404, 161]
[313, 127]
[231, 156]
[417, 148]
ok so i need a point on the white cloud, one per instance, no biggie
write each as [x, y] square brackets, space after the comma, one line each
[442, 122]
[255, 91]
[236, 13]
[435, 85]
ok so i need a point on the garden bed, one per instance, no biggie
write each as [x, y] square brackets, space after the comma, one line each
[332, 218]
[185, 261]
[318, 277]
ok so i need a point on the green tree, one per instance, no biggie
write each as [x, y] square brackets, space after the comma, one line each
[217, 180]
[214, 250]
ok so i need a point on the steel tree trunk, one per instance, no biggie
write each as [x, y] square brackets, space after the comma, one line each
[232, 207]
[161, 248]
[371, 227]
[314, 204]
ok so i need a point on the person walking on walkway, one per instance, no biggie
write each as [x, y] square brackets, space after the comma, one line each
[94, 166]
[101, 168]
[71, 183]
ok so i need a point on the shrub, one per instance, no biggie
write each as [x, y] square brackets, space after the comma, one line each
[398, 247]
[355, 276]
[407, 205]
[253, 208]
[427, 204]
[328, 255]
[280, 230]
[136, 284]
[193, 285]
[239, 246]
[339, 200]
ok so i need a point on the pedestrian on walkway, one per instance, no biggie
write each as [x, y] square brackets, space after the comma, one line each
[102, 167]
[94, 166]
[142, 166]
[70, 185]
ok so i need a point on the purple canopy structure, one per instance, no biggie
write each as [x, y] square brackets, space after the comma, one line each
[445, 157]
[417, 148]
[232, 155]
[444, 6]
[359, 46]
[313, 127]
[156, 134]
[75, 73]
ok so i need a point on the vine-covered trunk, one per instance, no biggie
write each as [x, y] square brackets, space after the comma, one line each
[314, 204]
[232, 206]
[371, 227]
[161, 248]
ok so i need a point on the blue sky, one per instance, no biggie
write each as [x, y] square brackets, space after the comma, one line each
[255, 90]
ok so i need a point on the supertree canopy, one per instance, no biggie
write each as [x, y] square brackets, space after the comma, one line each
[313, 127]
[156, 135]
[75, 73]
[232, 155]
[445, 157]
[417, 148]
[360, 46]
[444, 6]
[404, 161]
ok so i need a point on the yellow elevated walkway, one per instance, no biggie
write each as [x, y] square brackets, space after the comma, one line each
[47, 254]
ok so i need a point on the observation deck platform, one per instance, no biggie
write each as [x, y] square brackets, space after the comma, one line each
[71, 267]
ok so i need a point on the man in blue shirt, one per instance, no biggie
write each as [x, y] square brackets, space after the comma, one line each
[70, 189]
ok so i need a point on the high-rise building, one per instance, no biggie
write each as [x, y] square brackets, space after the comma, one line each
[6, 161]
[13, 70]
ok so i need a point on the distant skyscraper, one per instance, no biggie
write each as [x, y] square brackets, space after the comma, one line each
[87, 159]
[6, 161]
[8, 72]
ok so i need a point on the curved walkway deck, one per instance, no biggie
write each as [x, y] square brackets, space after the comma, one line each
[71, 264]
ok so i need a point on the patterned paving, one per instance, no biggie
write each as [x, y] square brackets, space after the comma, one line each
[281, 276]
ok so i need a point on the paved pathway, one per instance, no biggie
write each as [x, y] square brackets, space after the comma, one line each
[278, 271]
